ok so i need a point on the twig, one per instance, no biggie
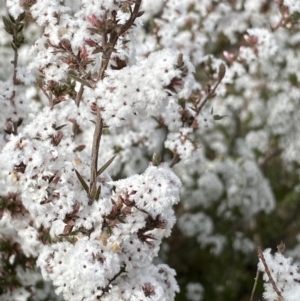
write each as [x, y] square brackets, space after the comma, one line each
[255, 284]
[48, 96]
[270, 156]
[15, 82]
[104, 65]
[106, 288]
[79, 95]
[80, 67]
[208, 96]
[262, 257]
[15, 63]
[106, 54]
[108, 48]
[95, 150]
[132, 18]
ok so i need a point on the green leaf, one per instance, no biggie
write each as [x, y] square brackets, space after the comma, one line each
[180, 62]
[98, 193]
[156, 159]
[121, 219]
[14, 47]
[8, 25]
[20, 27]
[22, 16]
[60, 127]
[81, 80]
[182, 102]
[96, 30]
[219, 117]
[222, 71]
[93, 192]
[12, 19]
[97, 50]
[100, 171]
[81, 180]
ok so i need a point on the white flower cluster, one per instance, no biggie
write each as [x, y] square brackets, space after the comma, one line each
[39, 164]
[123, 93]
[121, 245]
[293, 5]
[149, 101]
[285, 275]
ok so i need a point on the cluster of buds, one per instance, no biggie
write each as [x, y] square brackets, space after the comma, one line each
[12, 204]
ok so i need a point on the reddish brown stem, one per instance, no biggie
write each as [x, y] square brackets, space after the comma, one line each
[262, 257]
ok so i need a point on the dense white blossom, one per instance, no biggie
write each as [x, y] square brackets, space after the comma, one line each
[162, 96]
[284, 273]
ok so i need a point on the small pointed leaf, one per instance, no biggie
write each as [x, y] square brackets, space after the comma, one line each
[60, 127]
[100, 171]
[219, 117]
[98, 193]
[8, 25]
[20, 27]
[222, 71]
[79, 148]
[22, 16]
[12, 19]
[93, 193]
[19, 121]
[81, 180]
[140, 13]
[81, 80]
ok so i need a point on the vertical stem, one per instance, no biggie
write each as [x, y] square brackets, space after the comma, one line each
[15, 65]
[95, 151]
[108, 49]
[262, 257]
[79, 95]
[255, 284]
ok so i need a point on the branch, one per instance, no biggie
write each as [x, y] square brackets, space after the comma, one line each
[132, 18]
[79, 95]
[75, 57]
[108, 48]
[208, 96]
[95, 151]
[262, 257]
[106, 288]
[255, 284]
[272, 154]
[16, 56]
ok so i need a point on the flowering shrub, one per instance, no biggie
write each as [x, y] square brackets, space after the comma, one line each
[111, 112]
